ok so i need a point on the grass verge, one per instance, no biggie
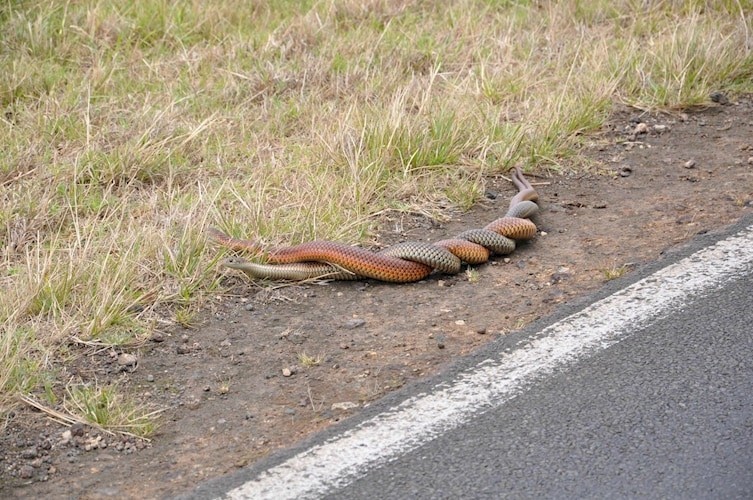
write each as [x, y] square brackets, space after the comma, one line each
[128, 128]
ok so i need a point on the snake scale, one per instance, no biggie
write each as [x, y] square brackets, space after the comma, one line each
[400, 263]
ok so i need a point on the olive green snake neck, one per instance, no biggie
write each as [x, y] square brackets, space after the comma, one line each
[400, 263]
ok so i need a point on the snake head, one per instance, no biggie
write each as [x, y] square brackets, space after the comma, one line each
[234, 262]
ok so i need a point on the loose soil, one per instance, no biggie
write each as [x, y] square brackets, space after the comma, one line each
[237, 388]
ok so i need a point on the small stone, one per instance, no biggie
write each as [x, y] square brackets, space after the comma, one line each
[26, 472]
[750, 160]
[66, 437]
[29, 453]
[127, 361]
[481, 330]
[641, 128]
[561, 275]
[192, 402]
[287, 372]
[77, 429]
[150, 378]
[719, 97]
[626, 171]
[440, 341]
[289, 411]
[661, 128]
[183, 349]
[344, 405]
[689, 164]
[460, 322]
[158, 337]
[491, 195]
[249, 307]
[354, 323]
[225, 343]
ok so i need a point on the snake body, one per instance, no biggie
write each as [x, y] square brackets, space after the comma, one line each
[400, 263]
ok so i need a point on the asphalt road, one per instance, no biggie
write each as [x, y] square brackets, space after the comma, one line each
[667, 413]
[659, 407]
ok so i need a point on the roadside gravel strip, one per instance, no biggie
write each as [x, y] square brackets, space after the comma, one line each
[492, 382]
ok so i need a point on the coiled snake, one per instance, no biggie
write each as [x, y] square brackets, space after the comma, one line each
[400, 263]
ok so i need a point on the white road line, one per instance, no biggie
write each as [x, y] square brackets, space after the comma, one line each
[420, 419]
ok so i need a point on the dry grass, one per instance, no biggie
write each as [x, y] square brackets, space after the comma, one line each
[127, 128]
[614, 272]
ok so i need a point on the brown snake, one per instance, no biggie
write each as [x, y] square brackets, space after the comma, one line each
[400, 263]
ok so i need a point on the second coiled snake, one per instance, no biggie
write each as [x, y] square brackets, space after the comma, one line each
[400, 263]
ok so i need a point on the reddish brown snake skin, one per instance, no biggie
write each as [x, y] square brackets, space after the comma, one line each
[401, 263]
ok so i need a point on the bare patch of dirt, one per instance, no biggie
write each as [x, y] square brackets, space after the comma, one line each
[270, 366]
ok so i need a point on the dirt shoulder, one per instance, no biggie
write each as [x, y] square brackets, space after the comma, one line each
[269, 366]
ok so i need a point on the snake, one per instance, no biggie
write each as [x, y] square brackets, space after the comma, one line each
[400, 263]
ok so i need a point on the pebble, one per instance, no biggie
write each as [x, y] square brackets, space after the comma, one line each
[26, 472]
[481, 330]
[750, 160]
[354, 323]
[460, 322]
[183, 349]
[689, 164]
[287, 372]
[626, 171]
[127, 360]
[719, 97]
[192, 402]
[29, 453]
[65, 437]
[150, 378]
[661, 128]
[77, 429]
[249, 307]
[158, 337]
[641, 128]
[440, 341]
[559, 276]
